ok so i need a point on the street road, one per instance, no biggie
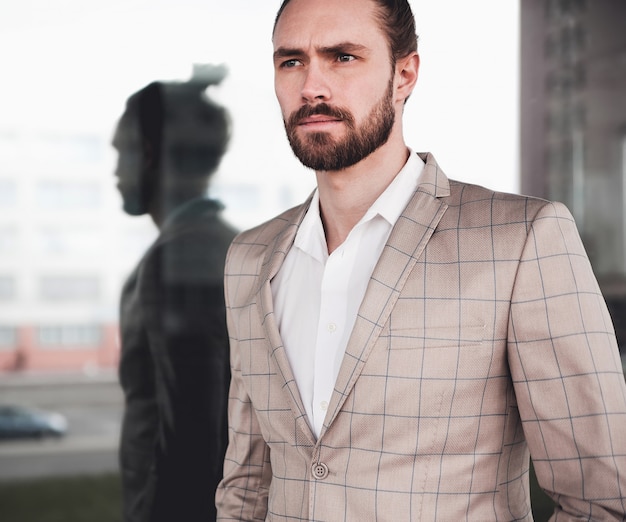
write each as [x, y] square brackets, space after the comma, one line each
[93, 407]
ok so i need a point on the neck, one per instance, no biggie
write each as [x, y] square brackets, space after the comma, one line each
[157, 215]
[346, 195]
[162, 207]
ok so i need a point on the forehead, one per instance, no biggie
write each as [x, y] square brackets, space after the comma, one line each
[327, 22]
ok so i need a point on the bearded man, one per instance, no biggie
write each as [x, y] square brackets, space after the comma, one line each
[402, 343]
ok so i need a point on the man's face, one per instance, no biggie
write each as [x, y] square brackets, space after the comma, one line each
[130, 164]
[334, 81]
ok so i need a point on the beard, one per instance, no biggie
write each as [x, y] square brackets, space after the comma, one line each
[133, 203]
[138, 188]
[321, 152]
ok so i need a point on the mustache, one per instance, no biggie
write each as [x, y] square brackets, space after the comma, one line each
[323, 109]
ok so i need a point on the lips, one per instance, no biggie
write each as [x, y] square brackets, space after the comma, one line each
[319, 114]
[317, 119]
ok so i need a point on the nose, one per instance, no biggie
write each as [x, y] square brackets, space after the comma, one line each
[315, 86]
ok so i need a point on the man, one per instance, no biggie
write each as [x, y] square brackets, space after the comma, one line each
[402, 342]
[174, 366]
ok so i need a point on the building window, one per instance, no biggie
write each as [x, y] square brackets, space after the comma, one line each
[7, 288]
[66, 194]
[75, 240]
[53, 148]
[8, 240]
[71, 149]
[71, 336]
[69, 288]
[8, 337]
[8, 193]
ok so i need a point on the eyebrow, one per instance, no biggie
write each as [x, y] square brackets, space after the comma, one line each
[343, 47]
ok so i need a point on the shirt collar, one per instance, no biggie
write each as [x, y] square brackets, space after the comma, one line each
[396, 196]
[310, 236]
[199, 205]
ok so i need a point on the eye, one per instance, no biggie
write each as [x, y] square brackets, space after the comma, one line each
[344, 58]
[288, 64]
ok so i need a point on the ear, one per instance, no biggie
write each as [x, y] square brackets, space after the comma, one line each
[406, 75]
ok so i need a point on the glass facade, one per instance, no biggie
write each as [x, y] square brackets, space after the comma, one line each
[573, 126]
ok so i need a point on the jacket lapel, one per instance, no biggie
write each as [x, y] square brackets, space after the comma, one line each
[274, 257]
[406, 243]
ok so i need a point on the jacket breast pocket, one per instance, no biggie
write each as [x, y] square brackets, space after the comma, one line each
[435, 337]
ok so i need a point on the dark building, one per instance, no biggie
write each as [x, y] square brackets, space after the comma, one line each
[573, 126]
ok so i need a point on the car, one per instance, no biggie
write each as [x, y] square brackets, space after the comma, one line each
[25, 422]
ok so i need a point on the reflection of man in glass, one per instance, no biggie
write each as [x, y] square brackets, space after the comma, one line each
[174, 367]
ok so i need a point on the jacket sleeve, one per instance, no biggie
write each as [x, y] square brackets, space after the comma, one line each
[567, 374]
[242, 494]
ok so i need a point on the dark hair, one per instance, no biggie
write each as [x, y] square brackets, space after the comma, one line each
[199, 128]
[397, 22]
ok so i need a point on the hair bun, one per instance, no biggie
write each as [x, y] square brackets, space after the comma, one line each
[207, 74]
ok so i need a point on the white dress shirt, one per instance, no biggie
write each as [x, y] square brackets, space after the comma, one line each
[317, 296]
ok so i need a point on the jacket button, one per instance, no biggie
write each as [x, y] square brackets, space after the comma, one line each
[320, 471]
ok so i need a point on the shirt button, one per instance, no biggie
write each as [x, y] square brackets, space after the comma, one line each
[332, 327]
[324, 405]
[320, 471]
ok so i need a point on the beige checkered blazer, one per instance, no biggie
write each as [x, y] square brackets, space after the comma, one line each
[482, 337]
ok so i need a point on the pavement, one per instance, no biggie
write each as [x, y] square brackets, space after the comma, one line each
[57, 446]
[28, 378]
[92, 403]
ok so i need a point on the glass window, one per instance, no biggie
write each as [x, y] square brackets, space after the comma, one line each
[8, 193]
[53, 147]
[69, 288]
[86, 335]
[66, 194]
[83, 148]
[8, 337]
[7, 287]
[71, 239]
[8, 240]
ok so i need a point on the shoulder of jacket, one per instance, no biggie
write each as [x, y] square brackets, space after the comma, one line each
[463, 192]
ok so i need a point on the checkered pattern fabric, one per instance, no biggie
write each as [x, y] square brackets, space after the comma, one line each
[482, 338]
